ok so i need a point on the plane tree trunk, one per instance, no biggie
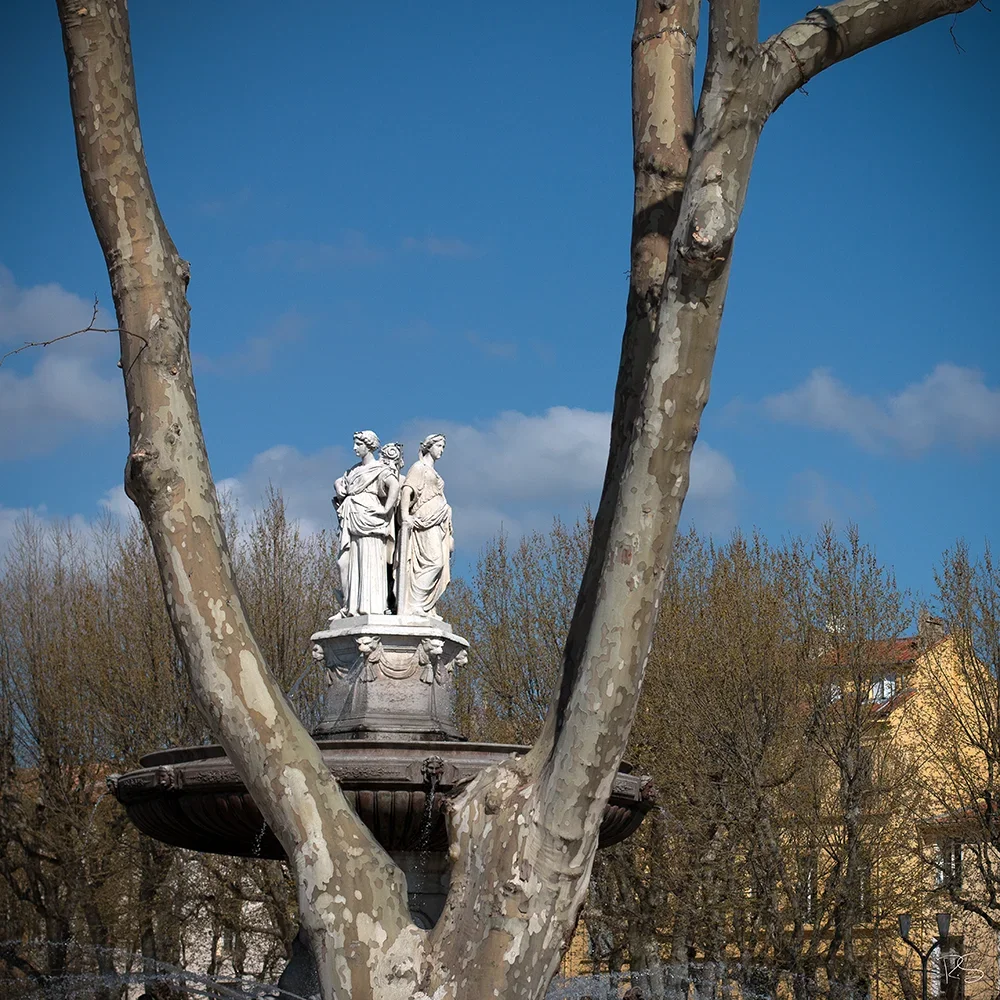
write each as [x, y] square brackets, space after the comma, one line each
[524, 833]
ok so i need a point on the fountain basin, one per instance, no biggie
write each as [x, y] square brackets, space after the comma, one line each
[192, 797]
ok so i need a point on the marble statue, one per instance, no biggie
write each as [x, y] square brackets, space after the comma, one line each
[392, 454]
[426, 540]
[365, 498]
[390, 659]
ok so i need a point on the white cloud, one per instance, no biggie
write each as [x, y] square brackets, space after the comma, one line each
[50, 394]
[501, 350]
[552, 460]
[38, 313]
[256, 354]
[437, 247]
[116, 502]
[352, 249]
[713, 477]
[83, 530]
[814, 500]
[951, 407]
[515, 471]
[712, 498]
[306, 482]
[225, 203]
[9, 516]
[518, 458]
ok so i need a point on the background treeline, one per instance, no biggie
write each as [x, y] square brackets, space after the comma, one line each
[793, 779]
[90, 679]
[785, 840]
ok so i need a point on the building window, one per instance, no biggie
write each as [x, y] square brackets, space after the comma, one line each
[832, 692]
[883, 688]
[866, 899]
[948, 864]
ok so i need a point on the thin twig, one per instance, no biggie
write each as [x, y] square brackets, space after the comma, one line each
[89, 328]
[802, 71]
[951, 31]
[672, 30]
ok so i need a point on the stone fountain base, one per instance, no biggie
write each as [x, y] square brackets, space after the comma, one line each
[389, 676]
[192, 796]
[387, 733]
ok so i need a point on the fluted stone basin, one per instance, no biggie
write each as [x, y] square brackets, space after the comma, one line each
[388, 733]
[192, 796]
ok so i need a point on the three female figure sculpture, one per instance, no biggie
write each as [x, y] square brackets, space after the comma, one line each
[385, 524]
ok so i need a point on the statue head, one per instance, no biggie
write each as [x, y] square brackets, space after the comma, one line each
[432, 445]
[364, 442]
[392, 454]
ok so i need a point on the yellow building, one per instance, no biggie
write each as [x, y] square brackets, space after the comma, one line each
[924, 700]
[932, 702]
[948, 725]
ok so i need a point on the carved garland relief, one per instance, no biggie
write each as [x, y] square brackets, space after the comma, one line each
[374, 660]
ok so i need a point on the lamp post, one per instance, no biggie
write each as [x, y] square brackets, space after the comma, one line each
[943, 923]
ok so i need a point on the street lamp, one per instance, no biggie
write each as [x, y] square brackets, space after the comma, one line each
[944, 924]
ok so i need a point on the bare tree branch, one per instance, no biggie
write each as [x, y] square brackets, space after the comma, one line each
[828, 35]
[664, 45]
[89, 328]
[732, 38]
[168, 477]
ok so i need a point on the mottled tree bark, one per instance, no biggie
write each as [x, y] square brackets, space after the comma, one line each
[523, 834]
[352, 897]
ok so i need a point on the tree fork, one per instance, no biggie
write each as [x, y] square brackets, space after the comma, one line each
[523, 833]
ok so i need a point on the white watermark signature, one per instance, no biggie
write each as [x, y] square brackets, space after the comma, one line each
[952, 964]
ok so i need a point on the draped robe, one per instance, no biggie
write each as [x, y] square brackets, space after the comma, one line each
[430, 544]
[366, 538]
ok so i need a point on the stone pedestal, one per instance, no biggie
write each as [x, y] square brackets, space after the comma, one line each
[389, 676]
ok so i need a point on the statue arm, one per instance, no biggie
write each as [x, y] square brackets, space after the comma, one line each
[405, 503]
[391, 493]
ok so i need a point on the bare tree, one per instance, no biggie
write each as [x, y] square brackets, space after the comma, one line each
[90, 678]
[515, 610]
[961, 735]
[524, 833]
[287, 580]
[62, 862]
[857, 794]
[787, 799]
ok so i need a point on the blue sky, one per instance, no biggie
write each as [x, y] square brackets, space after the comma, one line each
[420, 222]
